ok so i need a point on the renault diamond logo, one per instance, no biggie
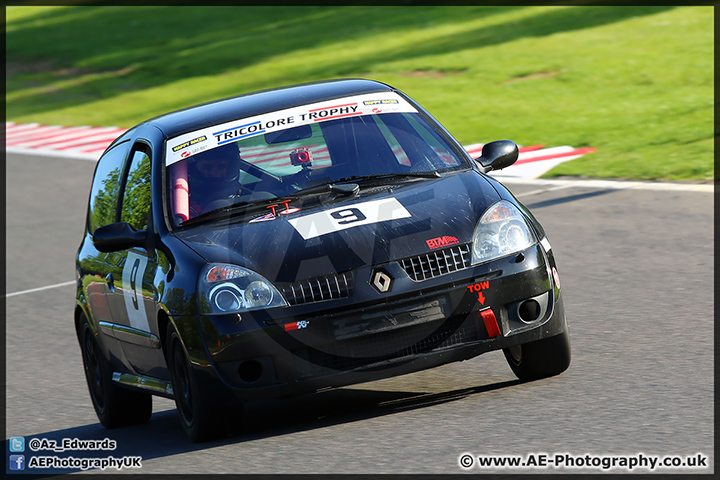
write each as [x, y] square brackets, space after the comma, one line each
[381, 281]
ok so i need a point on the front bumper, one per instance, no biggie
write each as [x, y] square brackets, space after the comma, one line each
[414, 326]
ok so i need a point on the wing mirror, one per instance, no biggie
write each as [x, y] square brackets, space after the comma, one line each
[497, 155]
[119, 236]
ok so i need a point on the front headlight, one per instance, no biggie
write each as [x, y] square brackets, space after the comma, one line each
[502, 230]
[227, 288]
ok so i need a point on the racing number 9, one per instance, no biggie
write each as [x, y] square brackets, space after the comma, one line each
[348, 215]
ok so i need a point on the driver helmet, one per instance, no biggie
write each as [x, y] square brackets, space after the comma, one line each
[215, 171]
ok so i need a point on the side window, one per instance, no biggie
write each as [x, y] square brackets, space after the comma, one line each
[135, 207]
[105, 187]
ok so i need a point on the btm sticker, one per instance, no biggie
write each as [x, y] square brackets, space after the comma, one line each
[479, 287]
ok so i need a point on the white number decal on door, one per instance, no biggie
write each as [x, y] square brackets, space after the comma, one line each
[132, 276]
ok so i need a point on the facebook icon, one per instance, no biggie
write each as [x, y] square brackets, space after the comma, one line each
[17, 462]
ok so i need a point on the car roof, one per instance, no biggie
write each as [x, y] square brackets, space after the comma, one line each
[255, 103]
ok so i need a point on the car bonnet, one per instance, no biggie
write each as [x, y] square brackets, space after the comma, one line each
[339, 236]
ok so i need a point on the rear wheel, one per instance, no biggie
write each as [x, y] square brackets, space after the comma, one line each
[200, 417]
[541, 358]
[115, 406]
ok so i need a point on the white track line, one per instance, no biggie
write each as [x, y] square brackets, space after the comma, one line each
[611, 184]
[543, 190]
[39, 289]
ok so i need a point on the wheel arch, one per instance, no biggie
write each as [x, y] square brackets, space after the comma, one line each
[80, 312]
[163, 319]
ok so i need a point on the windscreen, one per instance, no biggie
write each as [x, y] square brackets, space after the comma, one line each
[286, 152]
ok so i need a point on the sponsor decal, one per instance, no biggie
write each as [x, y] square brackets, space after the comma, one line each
[189, 143]
[217, 135]
[297, 325]
[440, 242]
[328, 113]
[354, 215]
[556, 277]
[238, 132]
[384, 101]
[264, 218]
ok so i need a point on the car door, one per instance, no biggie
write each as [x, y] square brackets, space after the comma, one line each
[98, 269]
[134, 305]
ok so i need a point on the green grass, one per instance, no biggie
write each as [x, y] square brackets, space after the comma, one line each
[634, 82]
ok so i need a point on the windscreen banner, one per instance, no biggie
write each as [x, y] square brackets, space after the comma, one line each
[207, 138]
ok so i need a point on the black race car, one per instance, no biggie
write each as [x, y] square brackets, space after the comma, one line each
[301, 238]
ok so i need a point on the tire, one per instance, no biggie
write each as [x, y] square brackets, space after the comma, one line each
[115, 406]
[200, 416]
[541, 358]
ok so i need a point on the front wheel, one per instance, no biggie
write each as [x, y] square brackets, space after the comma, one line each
[200, 417]
[541, 358]
[115, 406]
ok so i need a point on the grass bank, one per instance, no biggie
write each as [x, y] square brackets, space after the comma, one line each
[634, 82]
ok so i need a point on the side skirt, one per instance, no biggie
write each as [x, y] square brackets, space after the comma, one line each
[155, 386]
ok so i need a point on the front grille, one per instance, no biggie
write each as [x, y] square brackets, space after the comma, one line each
[317, 289]
[439, 262]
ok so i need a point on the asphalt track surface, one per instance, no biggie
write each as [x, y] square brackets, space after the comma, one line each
[636, 268]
